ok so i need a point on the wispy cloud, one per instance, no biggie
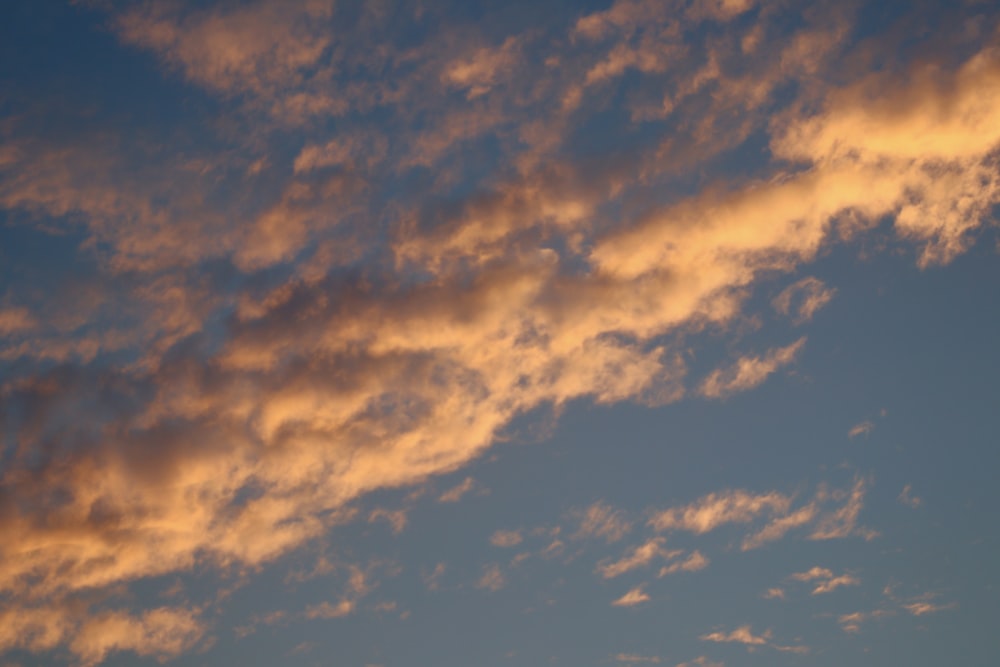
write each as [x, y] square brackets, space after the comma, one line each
[852, 622]
[637, 557]
[749, 372]
[603, 521]
[907, 498]
[835, 583]
[803, 299]
[718, 509]
[693, 563]
[396, 518]
[632, 598]
[741, 635]
[744, 635]
[454, 494]
[774, 594]
[923, 607]
[701, 661]
[828, 581]
[862, 428]
[634, 659]
[506, 538]
[492, 578]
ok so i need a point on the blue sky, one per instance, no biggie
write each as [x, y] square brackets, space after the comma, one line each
[446, 333]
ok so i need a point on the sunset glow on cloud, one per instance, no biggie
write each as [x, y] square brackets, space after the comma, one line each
[450, 333]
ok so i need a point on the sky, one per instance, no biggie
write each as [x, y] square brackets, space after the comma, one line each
[598, 333]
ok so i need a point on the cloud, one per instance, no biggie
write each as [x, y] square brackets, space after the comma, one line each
[16, 320]
[326, 610]
[343, 152]
[396, 518]
[632, 598]
[433, 579]
[801, 300]
[774, 594]
[701, 661]
[478, 73]
[254, 47]
[741, 635]
[492, 578]
[744, 635]
[930, 133]
[602, 520]
[842, 522]
[864, 428]
[814, 573]
[506, 538]
[717, 509]
[920, 606]
[637, 557]
[359, 584]
[780, 526]
[907, 498]
[851, 623]
[749, 372]
[454, 494]
[923, 607]
[266, 338]
[832, 514]
[633, 659]
[693, 563]
[834, 583]
[162, 632]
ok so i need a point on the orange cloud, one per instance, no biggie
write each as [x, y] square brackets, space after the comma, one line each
[632, 598]
[814, 573]
[693, 563]
[256, 47]
[492, 579]
[749, 372]
[506, 538]
[828, 582]
[717, 509]
[834, 583]
[235, 447]
[601, 520]
[16, 320]
[637, 557]
[801, 300]
[163, 633]
[741, 635]
[455, 494]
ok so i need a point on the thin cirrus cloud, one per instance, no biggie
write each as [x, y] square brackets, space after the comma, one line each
[360, 337]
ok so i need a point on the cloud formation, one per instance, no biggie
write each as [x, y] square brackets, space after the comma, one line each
[634, 597]
[266, 323]
[748, 372]
[741, 635]
[802, 299]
